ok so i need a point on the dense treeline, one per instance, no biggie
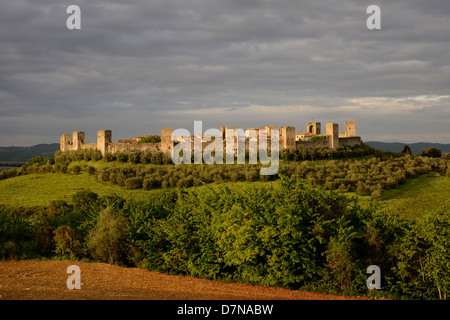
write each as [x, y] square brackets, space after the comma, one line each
[292, 236]
[343, 152]
[149, 157]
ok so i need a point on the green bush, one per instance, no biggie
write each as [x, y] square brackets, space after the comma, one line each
[134, 183]
[66, 242]
[290, 237]
[423, 256]
[91, 170]
[9, 173]
[109, 157]
[39, 159]
[432, 152]
[108, 240]
[84, 198]
[150, 139]
[122, 157]
[76, 169]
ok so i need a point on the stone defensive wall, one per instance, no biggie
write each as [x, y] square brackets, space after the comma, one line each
[289, 139]
[104, 143]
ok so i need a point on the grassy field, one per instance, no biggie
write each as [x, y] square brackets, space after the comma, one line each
[425, 193]
[38, 189]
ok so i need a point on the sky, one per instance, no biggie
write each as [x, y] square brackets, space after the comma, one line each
[138, 66]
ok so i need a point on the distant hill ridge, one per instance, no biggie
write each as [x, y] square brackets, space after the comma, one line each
[416, 148]
[22, 154]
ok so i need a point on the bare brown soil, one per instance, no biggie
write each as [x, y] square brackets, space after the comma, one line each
[46, 280]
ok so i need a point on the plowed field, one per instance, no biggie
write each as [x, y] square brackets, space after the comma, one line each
[47, 280]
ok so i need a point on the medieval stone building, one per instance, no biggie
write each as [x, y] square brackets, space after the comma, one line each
[288, 139]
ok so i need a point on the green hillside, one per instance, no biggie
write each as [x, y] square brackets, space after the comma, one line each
[34, 190]
[425, 193]
[286, 233]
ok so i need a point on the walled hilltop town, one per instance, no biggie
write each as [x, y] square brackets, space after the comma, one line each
[288, 139]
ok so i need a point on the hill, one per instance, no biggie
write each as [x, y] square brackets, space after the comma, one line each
[416, 148]
[22, 154]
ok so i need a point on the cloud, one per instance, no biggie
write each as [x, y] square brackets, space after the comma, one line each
[138, 66]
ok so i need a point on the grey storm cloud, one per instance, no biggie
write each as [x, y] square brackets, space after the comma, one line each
[136, 66]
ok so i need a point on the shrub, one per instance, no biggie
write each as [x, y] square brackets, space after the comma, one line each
[76, 169]
[47, 168]
[53, 207]
[8, 174]
[150, 139]
[406, 150]
[422, 258]
[146, 157]
[121, 178]
[91, 170]
[318, 138]
[148, 183]
[43, 236]
[432, 152]
[122, 157]
[135, 157]
[84, 198]
[64, 168]
[108, 241]
[66, 243]
[133, 183]
[39, 159]
[376, 193]
[7, 249]
[109, 157]
[251, 175]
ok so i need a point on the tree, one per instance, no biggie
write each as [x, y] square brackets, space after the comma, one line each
[406, 150]
[91, 170]
[318, 138]
[66, 243]
[76, 169]
[432, 152]
[150, 139]
[108, 241]
[39, 159]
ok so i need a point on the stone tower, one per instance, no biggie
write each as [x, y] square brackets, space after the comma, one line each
[288, 134]
[78, 139]
[65, 142]
[103, 139]
[333, 135]
[166, 140]
[313, 127]
[350, 130]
